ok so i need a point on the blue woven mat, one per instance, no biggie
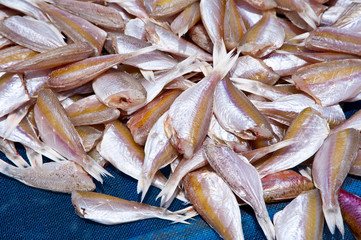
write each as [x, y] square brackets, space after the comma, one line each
[28, 213]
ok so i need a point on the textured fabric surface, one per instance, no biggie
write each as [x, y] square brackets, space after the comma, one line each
[28, 213]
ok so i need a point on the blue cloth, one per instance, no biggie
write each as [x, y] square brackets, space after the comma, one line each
[28, 213]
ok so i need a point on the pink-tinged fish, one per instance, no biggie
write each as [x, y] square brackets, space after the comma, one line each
[15, 54]
[118, 147]
[12, 93]
[248, 13]
[34, 34]
[243, 179]
[53, 58]
[330, 167]
[63, 176]
[186, 19]
[102, 16]
[159, 153]
[308, 126]
[166, 40]
[199, 36]
[234, 27]
[155, 60]
[77, 74]
[236, 113]
[287, 108]
[109, 210]
[255, 69]
[284, 185]
[143, 120]
[302, 218]
[215, 202]
[94, 154]
[190, 115]
[133, 7]
[26, 7]
[330, 82]
[334, 39]
[262, 4]
[56, 130]
[350, 205]
[90, 136]
[212, 13]
[350, 18]
[264, 37]
[165, 8]
[313, 56]
[90, 111]
[76, 28]
[119, 89]
[184, 167]
[219, 135]
[305, 10]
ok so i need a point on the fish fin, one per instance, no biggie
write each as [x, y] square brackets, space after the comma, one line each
[35, 158]
[188, 211]
[309, 15]
[223, 61]
[95, 170]
[143, 186]
[334, 218]
[176, 217]
[167, 192]
[307, 173]
[267, 226]
[148, 75]
[13, 119]
[50, 153]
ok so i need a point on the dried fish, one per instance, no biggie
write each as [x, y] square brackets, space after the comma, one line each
[330, 166]
[350, 209]
[215, 202]
[31, 33]
[63, 176]
[306, 224]
[56, 130]
[110, 210]
[237, 114]
[244, 181]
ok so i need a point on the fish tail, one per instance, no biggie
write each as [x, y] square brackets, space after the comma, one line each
[309, 15]
[95, 170]
[267, 226]
[167, 193]
[334, 218]
[143, 186]
[176, 217]
[223, 61]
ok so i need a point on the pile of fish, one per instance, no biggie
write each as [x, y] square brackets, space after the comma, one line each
[231, 94]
